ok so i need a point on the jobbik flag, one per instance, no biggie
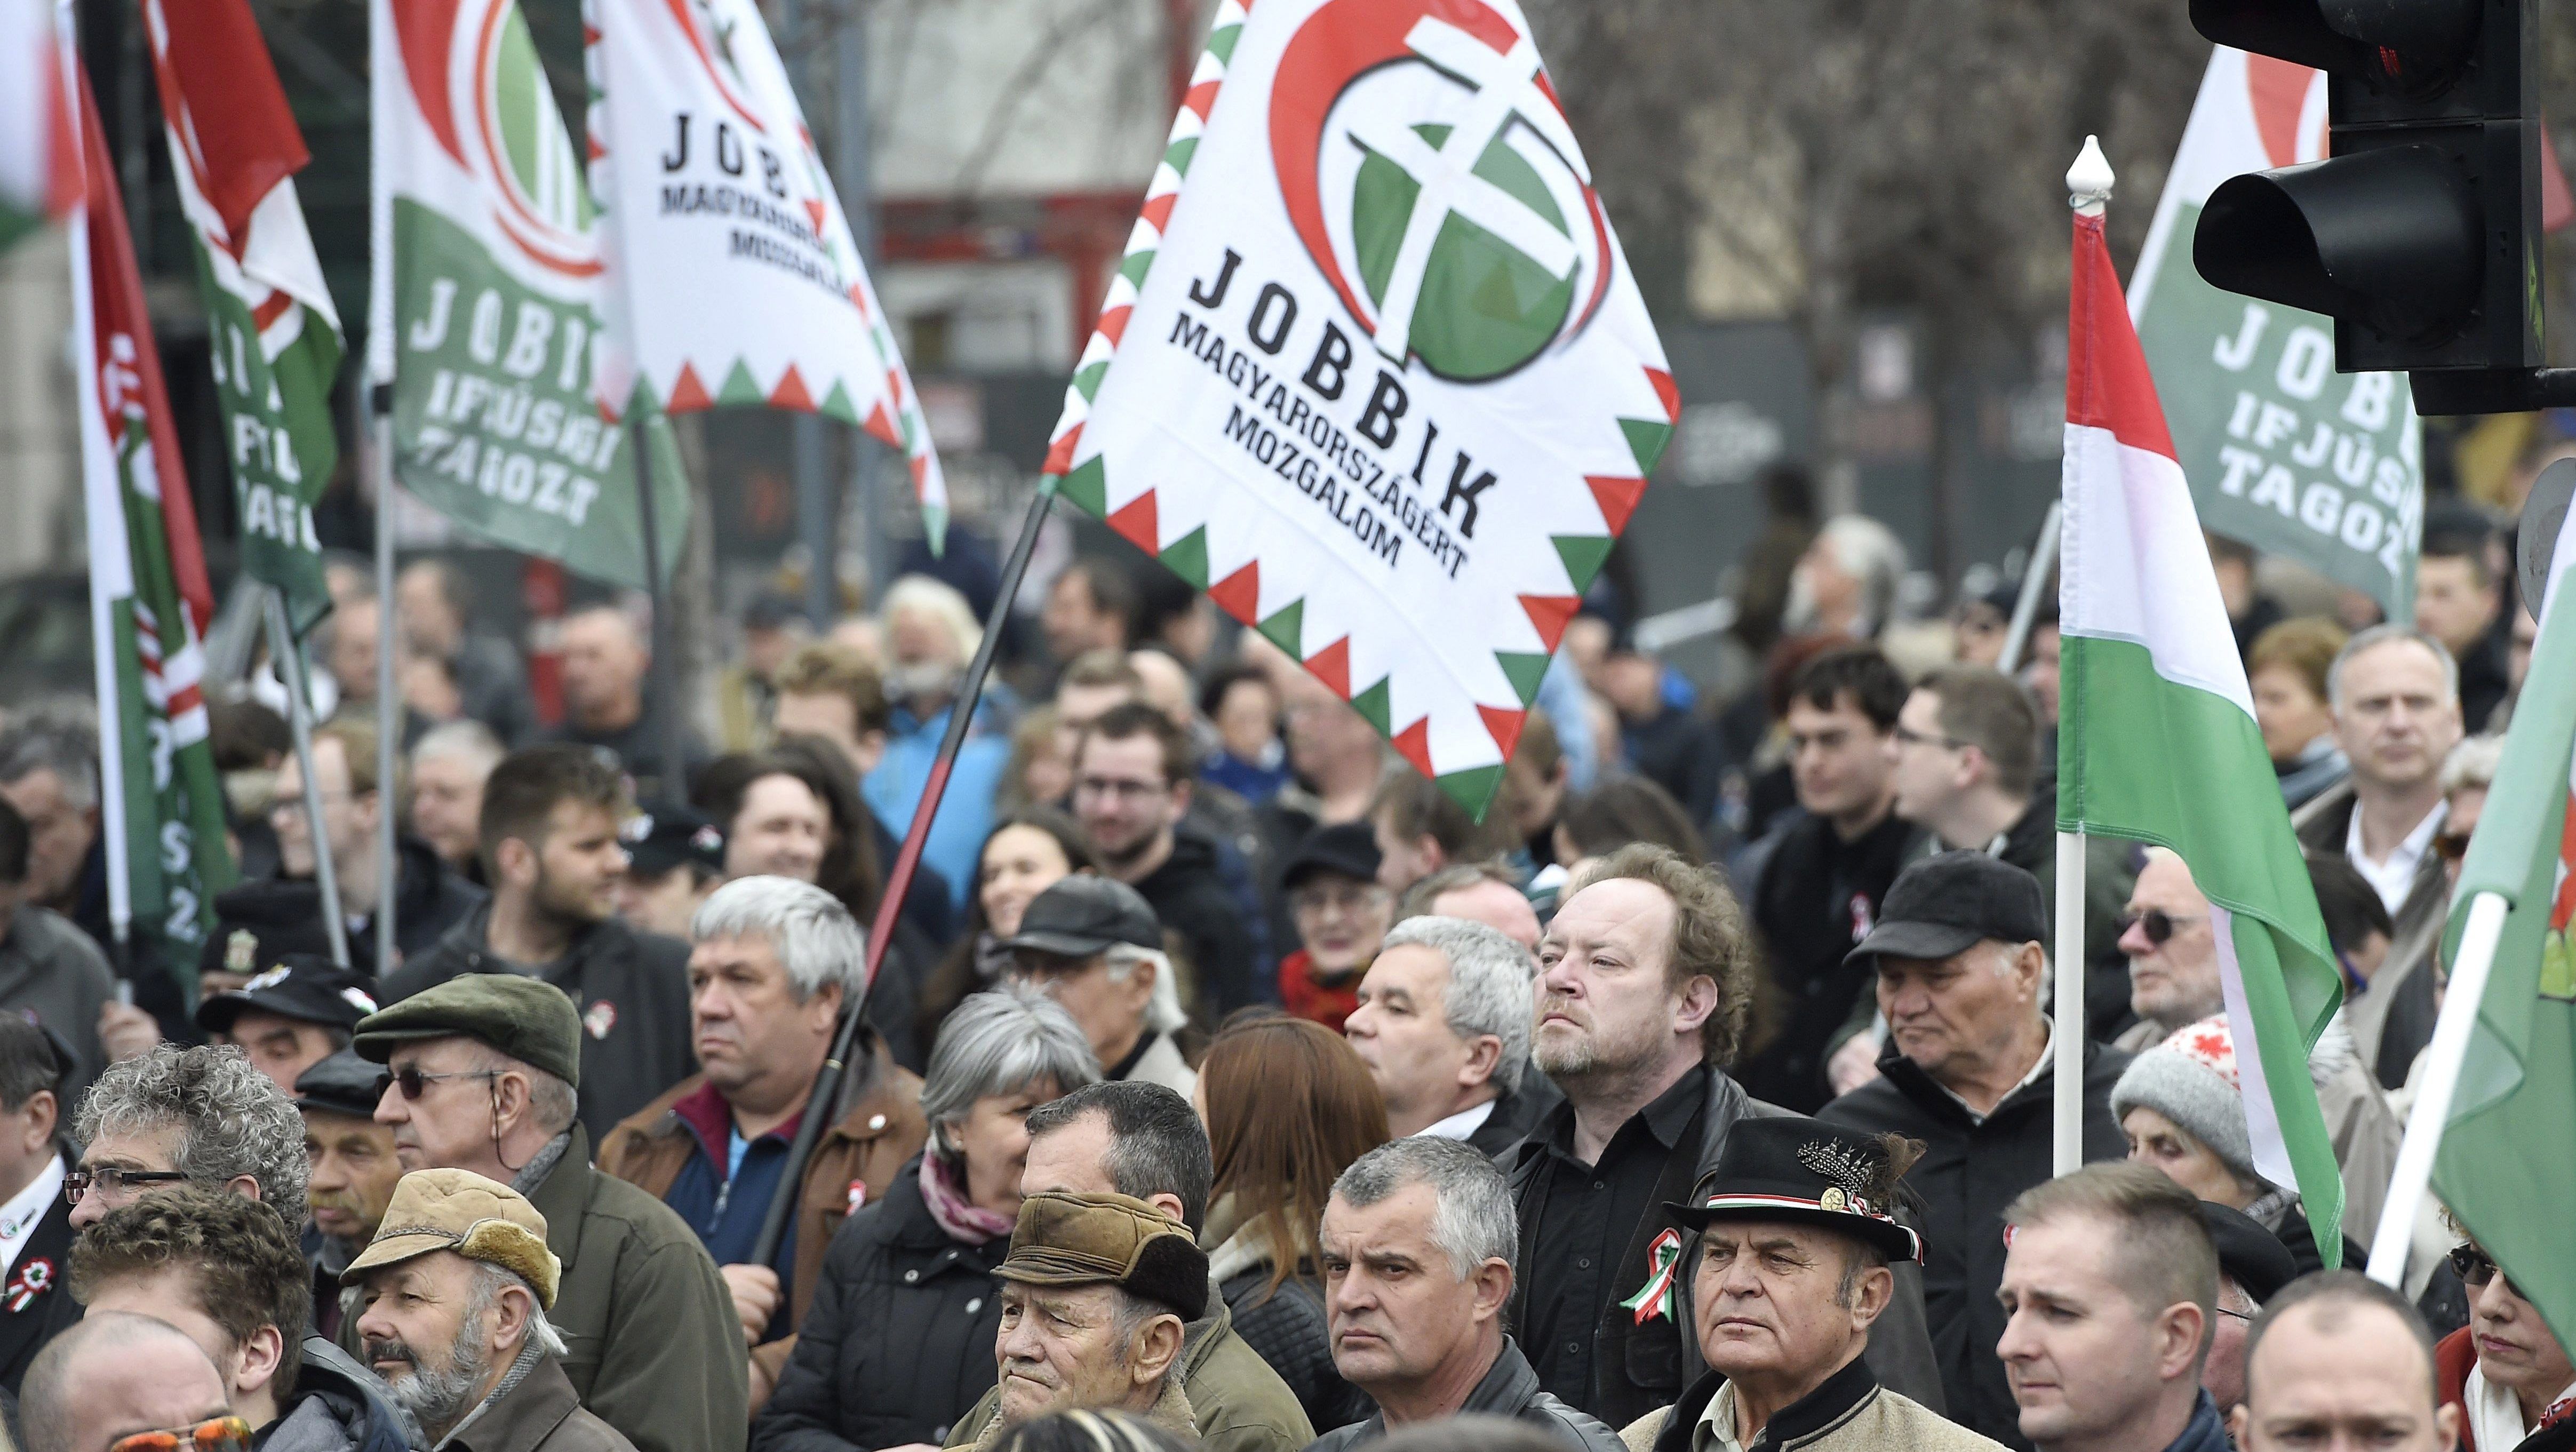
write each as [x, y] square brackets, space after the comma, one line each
[2503, 1168]
[2157, 740]
[2283, 452]
[274, 334]
[1374, 373]
[733, 276]
[486, 295]
[39, 160]
[150, 602]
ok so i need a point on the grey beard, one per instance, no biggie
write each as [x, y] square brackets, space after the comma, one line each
[922, 680]
[437, 1400]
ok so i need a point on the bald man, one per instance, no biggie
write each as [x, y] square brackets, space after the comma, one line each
[113, 1375]
[1478, 893]
[2338, 1360]
[606, 662]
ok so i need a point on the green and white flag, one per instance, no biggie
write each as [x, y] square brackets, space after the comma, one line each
[2282, 452]
[1374, 373]
[2506, 1168]
[234, 152]
[161, 812]
[484, 312]
[2156, 734]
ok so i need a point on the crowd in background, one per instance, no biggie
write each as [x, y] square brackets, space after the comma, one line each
[1225, 1082]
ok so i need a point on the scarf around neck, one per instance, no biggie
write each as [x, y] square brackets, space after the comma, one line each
[966, 1222]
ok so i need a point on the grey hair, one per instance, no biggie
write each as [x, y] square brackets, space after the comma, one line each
[1871, 553]
[2379, 635]
[1001, 1041]
[231, 1120]
[469, 739]
[1163, 1012]
[815, 938]
[31, 746]
[1473, 1220]
[2472, 763]
[940, 601]
[552, 1101]
[1489, 985]
[489, 1282]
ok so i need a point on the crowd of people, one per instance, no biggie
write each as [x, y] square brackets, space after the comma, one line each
[1224, 1083]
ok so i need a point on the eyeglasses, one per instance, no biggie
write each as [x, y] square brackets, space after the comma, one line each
[2158, 925]
[2475, 1268]
[413, 1083]
[216, 1434]
[2233, 1315]
[1908, 736]
[2452, 846]
[115, 1181]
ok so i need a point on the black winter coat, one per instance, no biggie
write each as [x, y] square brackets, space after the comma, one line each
[1192, 900]
[1970, 1171]
[630, 987]
[899, 1343]
[1288, 1329]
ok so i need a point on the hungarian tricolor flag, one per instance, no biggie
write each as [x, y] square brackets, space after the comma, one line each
[2156, 736]
[39, 169]
[162, 808]
[2504, 1167]
[234, 152]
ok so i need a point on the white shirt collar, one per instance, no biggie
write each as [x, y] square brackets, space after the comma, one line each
[2038, 1066]
[1459, 1125]
[1715, 1431]
[2394, 879]
[19, 1218]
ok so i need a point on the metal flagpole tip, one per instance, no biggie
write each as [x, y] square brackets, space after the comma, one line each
[2088, 181]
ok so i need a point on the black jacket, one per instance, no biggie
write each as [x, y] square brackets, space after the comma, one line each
[1189, 895]
[1969, 1172]
[1515, 1114]
[1288, 1329]
[336, 1404]
[1817, 895]
[630, 987]
[429, 900]
[1510, 1389]
[36, 1302]
[899, 1343]
[1643, 1366]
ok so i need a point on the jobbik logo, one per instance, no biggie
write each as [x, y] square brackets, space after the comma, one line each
[1428, 168]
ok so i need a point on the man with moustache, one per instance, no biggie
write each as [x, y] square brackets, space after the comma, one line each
[354, 1172]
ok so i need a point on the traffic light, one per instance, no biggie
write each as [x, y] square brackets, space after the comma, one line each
[2419, 233]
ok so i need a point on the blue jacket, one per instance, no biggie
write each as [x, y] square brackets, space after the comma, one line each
[965, 817]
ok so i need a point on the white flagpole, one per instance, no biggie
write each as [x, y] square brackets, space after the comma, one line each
[288, 660]
[2088, 192]
[2447, 1055]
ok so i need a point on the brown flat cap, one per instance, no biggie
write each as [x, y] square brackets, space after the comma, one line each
[1083, 1240]
[461, 1211]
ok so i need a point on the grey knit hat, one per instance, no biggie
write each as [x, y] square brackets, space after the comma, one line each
[2191, 1079]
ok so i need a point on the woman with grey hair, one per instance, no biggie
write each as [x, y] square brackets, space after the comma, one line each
[899, 1343]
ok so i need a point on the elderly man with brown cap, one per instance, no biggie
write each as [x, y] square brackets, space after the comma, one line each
[1096, 1295]
[483, 1070]
[454, 1292]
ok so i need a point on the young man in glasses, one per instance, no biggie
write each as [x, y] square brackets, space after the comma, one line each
[123, 1383]
[484, 1069]
[226, 1271]
[2504, 1370]
[1132, 780]
[196, 1115]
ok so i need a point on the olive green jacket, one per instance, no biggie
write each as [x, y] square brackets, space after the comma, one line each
[1238, 1402]
[652, 1343]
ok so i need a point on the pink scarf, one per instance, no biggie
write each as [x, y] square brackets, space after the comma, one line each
[966, 1222]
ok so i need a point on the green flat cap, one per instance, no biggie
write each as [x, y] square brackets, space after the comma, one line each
[528, 1019]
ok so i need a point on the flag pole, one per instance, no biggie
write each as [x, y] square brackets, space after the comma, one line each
[662, 681]
[299, 719]
[2443, 1061]
[374, 426]
[907, 861]
[2034, 579]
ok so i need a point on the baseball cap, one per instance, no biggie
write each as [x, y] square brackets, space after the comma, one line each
[306, 987]
[662, 837]
[1085, 914]
[1942, 906]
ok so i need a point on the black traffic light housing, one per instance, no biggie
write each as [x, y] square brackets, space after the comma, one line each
[2419, 234]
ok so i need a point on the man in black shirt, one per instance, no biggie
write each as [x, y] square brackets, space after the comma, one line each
[1817, 887]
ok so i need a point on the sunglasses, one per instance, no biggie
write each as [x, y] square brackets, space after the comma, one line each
[413, 1083]
[2475, 1268]
[115, 1181]
[216, 1434]
[2158, 925]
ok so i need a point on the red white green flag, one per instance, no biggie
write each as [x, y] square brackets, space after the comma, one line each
[1374, 373]
[39, 160]
[485, 305]
[234, 152]
[734, 278]
[150, 603]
